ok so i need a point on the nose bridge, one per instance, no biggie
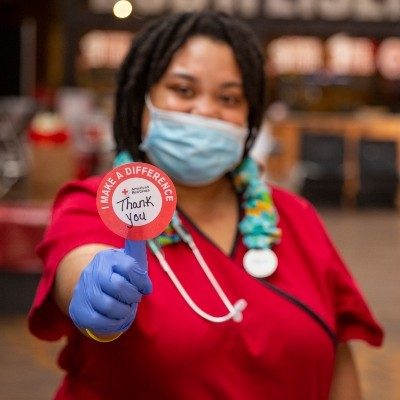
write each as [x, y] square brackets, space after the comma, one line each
[207, 106]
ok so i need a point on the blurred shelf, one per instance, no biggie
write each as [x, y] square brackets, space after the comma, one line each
[22, 225]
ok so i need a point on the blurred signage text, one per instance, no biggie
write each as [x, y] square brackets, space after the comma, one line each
[330, 10]
[340, 54]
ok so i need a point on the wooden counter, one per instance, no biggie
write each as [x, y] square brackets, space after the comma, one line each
[352, 127]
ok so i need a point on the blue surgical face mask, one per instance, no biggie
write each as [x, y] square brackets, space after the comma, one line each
[192, 149]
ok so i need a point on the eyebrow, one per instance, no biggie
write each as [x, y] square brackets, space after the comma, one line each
[191, 78]
[232, 84]
[183, 75]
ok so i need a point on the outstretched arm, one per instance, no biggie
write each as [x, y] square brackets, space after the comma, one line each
[69, 272]
[100, 288]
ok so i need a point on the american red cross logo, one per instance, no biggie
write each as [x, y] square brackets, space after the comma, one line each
[124, 192]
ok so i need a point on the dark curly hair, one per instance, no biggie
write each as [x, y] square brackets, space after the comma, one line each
[151, 52]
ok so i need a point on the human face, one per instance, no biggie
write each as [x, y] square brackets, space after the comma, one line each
[202, 78]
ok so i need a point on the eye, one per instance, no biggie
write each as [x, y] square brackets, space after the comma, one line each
[231, 100]
[183, 91]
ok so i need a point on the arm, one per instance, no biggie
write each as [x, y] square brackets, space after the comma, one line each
[68, 274]
[345, 384]
[100, 287]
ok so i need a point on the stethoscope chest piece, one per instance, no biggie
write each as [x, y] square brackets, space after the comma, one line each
[260, 263]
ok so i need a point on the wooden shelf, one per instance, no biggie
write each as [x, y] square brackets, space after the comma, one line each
[353, 128]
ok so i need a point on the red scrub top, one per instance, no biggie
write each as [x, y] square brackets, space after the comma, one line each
[284, 348]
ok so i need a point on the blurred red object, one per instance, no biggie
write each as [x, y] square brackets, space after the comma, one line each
[53, 162]
[45, 96]
[21, 229]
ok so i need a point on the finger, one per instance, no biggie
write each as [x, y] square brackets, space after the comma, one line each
[127, 267]
[102, 324]
[119, 288]
[110, 307]
[126, 323]
[138, 280]
[91, 319]
[102, 274]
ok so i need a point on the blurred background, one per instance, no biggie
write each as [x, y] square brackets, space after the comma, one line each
[331, 133]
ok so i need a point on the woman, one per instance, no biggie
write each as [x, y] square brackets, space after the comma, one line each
[190, 99]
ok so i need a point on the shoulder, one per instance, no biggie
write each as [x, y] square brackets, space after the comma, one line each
[74, 220]
[289, 202]
[298, 215]
[78, 192]
[88, 185]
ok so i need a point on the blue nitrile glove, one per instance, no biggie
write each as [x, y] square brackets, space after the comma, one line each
[106, 298]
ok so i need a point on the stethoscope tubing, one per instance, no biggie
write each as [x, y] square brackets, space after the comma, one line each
[235, 310]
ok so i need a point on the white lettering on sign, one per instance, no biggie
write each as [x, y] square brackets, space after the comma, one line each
[155, 176]
[148, 174]
[187, 6]
[331, 10]
[227, 6]
[350, 55]
[104, 49]
[100, 6]
[306, 9]
[296, 54]
[105, 192]
[335, 9]
[280, 8]
[369, 10]
[249, 8]
[150, 7]
[392, 10]
[388, 58]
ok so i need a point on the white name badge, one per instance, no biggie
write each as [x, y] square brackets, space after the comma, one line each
[260, 263]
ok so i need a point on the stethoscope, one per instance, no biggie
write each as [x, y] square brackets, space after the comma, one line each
[235, 310]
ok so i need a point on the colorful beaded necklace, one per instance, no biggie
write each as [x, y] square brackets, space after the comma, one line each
[259, 224]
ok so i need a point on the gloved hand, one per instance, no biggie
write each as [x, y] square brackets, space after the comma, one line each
[106, 297]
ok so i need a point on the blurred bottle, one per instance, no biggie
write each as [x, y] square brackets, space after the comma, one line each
[88, 117]
[94, 147]
[52, 158]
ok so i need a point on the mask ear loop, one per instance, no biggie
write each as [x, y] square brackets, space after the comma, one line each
[235, 310]
[149, 103]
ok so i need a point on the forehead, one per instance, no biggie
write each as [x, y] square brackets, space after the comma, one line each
[204, 57]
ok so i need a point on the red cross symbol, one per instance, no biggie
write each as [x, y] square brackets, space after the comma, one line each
[125, 192]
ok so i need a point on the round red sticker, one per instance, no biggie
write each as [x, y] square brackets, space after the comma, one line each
[136, 201]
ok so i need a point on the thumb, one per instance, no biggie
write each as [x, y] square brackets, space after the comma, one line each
[133, 265]
[137, 250]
